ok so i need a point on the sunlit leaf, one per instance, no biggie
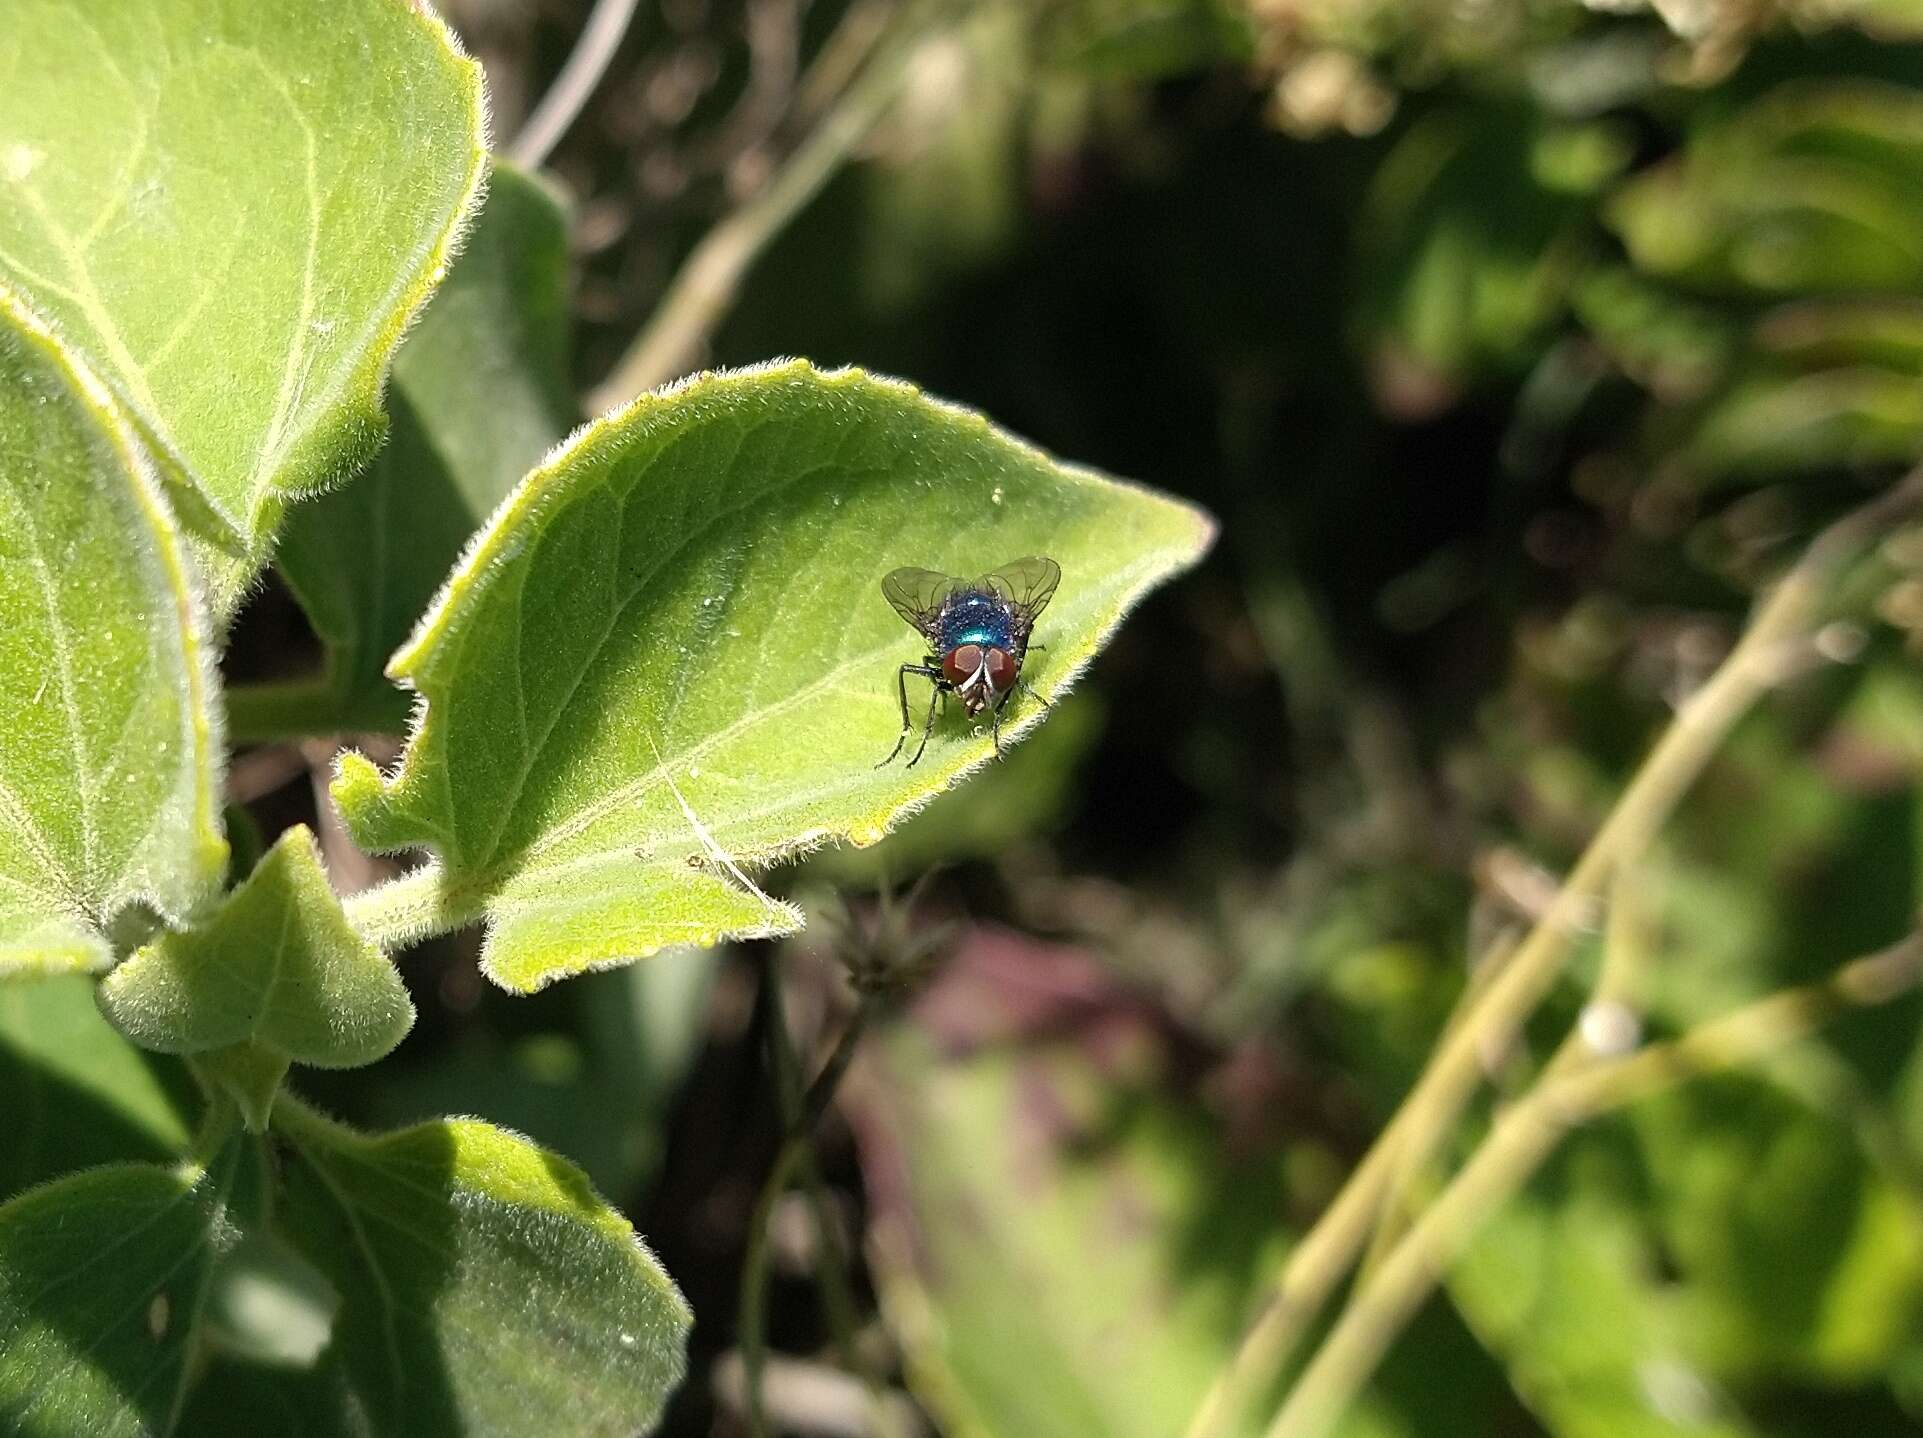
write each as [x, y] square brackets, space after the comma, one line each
[1017, 802]
[276, 966]
[107, 740]
[101, 1278]
[485, 1288]
[668, 656]
[232, 211]
[479, 394]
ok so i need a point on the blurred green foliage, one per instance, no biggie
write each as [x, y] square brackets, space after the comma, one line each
[1517, 344]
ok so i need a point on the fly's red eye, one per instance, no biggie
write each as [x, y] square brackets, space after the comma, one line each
[1001, 669]
[960, 664]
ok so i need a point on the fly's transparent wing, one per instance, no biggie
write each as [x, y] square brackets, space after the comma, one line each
[1027, 584]
[918, 594]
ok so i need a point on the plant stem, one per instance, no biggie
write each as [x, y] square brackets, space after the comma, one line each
[1525, 1135]
[1429, 1113]
[837, 1299]
[600, 37]
[1626, 946]
[281, 709]
[1394, 1212]
[790, 1157]
[417, 905]
[218, 1122]
[704, 287]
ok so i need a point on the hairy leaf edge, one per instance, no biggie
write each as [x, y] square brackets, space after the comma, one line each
[358, 777]
[341, 443]
[202, 681]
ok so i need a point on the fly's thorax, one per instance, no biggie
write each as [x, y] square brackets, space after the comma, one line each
[975, 616]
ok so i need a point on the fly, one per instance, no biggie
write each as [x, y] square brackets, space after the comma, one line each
[977, 632]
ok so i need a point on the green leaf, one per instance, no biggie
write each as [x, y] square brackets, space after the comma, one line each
[268, 1305]
[277, 967]
[1018, 801]
[668, 656]
[485, 1289]
[1771, 424]
[101, 1281]
[1565, 1283]
[1674, 1273]
[1813, 189]
[77, 1093]
[107, 740]
[1826, 384]
[1473, 238]
[252, 1398]
[248, 1073]
[602, 1098]
[1069, 1250]
[479, 395]
[232, 211]
[1052, 1245]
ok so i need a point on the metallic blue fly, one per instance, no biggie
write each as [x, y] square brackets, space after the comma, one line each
[977, 632]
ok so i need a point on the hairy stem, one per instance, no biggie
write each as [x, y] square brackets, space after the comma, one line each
[418, 905]
[1428, 1114]
[831, 1276]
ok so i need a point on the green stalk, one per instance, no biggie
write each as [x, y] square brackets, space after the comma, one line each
[1528, 1132]
[790, 1158]
[1428, 1115]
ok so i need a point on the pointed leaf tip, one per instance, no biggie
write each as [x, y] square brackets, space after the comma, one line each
[277, 969]
[668, 659]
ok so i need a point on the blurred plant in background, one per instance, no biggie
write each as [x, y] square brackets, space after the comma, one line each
[1520, 347]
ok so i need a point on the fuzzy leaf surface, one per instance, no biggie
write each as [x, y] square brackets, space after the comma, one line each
[485, 1288]
[668, 655]
[277, 966]
[231, 211]
[107, 741]
[479, 395]
[101, 1278]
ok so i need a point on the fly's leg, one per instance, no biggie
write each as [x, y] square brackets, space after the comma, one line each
[928, 727]
[901, 687]
[1034, 693]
